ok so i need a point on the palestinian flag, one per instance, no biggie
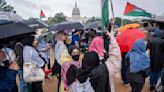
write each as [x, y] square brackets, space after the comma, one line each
[42, 15]
[132, 10]
[104, 13]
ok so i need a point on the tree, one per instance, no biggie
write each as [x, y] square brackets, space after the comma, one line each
[118, 21]
[59, 17]
[125, 21]
[5, 7]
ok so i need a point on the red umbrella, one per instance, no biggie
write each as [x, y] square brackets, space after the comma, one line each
[127, 38]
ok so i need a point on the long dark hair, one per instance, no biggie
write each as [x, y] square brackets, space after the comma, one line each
[28, 40]
[18, 50]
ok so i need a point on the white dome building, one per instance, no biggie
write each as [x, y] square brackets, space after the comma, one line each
[76, 15]
[76, 12]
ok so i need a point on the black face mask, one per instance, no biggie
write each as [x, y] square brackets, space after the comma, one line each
[76, 57]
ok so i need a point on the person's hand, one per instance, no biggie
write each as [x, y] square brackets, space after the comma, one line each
[14, 66]
[49, 46]
[111, 35]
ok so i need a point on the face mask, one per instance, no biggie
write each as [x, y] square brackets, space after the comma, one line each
[76, 57]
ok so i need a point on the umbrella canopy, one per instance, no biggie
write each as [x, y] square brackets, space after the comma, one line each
[9, 29]
[35, 23]
[66, 25]
[129, 26]
[94, 24]
[127, 38]
[10, 16]
[44, 33]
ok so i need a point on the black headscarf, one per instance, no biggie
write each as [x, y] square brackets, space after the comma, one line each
[90, 61]
[97, 73]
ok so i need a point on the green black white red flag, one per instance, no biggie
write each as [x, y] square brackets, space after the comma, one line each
[132, 10]
[42, 15]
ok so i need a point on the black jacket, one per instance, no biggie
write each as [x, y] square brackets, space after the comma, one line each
[100, 79]
[156, 46]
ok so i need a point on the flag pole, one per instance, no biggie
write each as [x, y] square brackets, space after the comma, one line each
[113, 20]
[112, 8]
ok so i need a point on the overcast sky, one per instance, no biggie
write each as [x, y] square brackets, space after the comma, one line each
[89, 8]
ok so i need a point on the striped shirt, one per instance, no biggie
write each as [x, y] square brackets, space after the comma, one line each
[31, 55]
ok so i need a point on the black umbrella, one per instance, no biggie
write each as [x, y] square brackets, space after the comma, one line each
[9, 29]
[95, 25]
[66, 25]
[35, 23]
[4, 21]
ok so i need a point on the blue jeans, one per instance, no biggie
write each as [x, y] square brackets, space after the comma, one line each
[123, 73]
[154, 76]
[23, 84]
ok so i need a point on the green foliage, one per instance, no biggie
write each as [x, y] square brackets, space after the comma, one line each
[118, 21]
[125, 21]
[59, 17]
[5, 7]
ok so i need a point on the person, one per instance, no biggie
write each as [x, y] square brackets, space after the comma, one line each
[60, 48]
[76, 38]
[156, 45]
[92, 33]
[138, 64]
[30, 54]
[160, 84]
[84, 41]
[18, 49]
[86, 36]
[68, 69]
[86, 79]
[97, 45]
[7, 74]
[43, 50]
[10, 55]
[123, 69]
[157, 31]
[96, 77]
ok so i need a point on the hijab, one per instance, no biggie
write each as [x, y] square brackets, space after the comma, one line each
[90, 62]
[139, 60]
[97, 45]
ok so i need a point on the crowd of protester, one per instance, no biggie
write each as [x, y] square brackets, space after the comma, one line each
[102, 61]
